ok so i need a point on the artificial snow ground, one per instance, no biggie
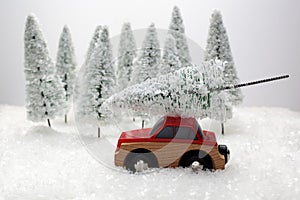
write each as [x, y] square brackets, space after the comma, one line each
[37, 162]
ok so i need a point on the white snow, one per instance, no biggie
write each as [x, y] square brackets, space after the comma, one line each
[37, 162]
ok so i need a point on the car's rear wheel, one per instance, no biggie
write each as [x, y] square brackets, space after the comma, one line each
[139, 162]
[197, 161]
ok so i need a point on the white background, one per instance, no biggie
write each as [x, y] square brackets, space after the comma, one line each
[264, 37]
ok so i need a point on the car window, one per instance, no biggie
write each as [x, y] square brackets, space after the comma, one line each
[157, 125]
[166, 132]
[185, 133]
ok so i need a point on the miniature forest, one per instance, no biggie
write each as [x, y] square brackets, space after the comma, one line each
[150, 82]
[63, 143]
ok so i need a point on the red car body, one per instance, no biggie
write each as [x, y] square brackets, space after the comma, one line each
[172, 142]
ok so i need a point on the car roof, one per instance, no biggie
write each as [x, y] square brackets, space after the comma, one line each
[179, 121]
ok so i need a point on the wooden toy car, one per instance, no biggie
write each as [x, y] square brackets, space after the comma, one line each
[172, 142]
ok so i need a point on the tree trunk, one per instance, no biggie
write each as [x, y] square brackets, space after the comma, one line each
[222, 127]
[143, 123]
[49, 124]
[98, 132]
[66, 118]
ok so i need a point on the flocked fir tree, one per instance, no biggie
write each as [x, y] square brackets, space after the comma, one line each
[220, 108]
[99, 81]
[82, 73]
[66, 65]
[170, 59]
[93, 43]
[218, 48]
[176, 29]
[126, 55]
[146, 66]
[194, 91]
[44, 93]
[183, 92]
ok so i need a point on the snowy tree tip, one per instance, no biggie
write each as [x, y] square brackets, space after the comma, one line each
[216, 13]
[104, 32]
[32, 18]
[176, 9]
[66, 28]
[152, 25]
[31, 15]
[104, 29]
[98, 28]
[126, 25]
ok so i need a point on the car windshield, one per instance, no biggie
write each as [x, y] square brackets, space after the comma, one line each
[157, 125]
[198, 127]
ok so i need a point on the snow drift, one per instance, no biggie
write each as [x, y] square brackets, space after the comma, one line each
[37, 162]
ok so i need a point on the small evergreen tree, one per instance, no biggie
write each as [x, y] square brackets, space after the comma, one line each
[183, 92]
[95, 40]
[44, 94]
[81, 77]
[100, 78]
[66, 65]
[146, 67]
[170, 59]
[176, 29]
[218, 48]
[126, 54]
[220, 109]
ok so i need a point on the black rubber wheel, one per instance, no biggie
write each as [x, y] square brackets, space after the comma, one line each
[134, 158]
[205, 161]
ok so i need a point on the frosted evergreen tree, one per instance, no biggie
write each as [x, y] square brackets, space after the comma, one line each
[218, 48]
[220, 108]
[176, 28]
[44, 93]
[146, 67]
[126, 54]
[100, 78]
[170, 59]
[66, 65]
[82, 74]
[183, 92]
[93, 43]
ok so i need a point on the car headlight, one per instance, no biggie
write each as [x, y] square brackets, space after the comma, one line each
[224, 151]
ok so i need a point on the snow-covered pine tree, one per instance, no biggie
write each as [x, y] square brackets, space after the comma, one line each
[93, 43]
[220, 109]
[66, 65]
[218, 48]
[81, 76]
[146, 67]
[183, 92]
[44, 93]
[170, 59]
[99, 81]
[176, 29]
[126, 54]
